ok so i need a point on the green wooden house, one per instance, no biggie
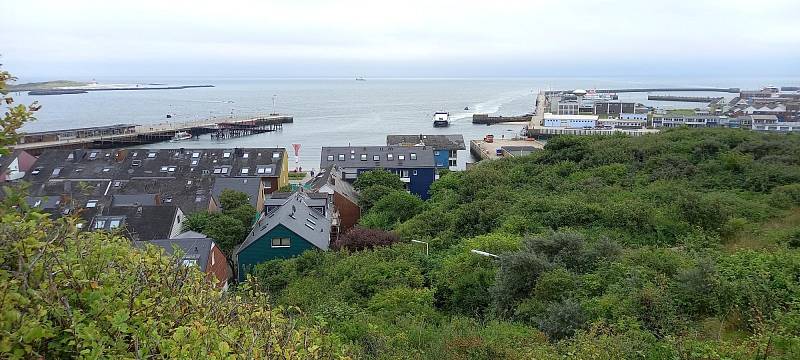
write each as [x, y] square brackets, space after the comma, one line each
[285, 230]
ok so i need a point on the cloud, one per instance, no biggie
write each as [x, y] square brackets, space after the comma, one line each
[51, 37]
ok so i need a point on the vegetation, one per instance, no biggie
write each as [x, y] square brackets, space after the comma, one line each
[359, 238]
[297, 175]
[676, 245]
[46, 85]
[230, 227]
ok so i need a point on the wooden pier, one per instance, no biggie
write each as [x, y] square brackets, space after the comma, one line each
[131, 135]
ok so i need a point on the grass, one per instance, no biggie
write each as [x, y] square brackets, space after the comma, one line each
[769, 234]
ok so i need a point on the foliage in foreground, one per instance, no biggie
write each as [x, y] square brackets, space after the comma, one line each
[678, 245]
[67, 294]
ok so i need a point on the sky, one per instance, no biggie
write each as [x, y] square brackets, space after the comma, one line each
[409, 38]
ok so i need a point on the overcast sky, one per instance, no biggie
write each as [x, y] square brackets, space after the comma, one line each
[400, 38]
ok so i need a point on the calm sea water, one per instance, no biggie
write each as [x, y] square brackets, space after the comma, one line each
[333, 112]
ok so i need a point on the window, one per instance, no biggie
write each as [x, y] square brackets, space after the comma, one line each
[117, 184]
[100, 224]
[136, 163]
[195, 162]
[363, 157]
[91, 203]
[281, 242]
[36, 171]
[330, 157]
[205, 172]
[172, 169]
[151, 155]
[226, 154]
[276, 155]
[56, 171]
[164, 168]
[389, 157]
[415, 172]
[261, 170]
[70, 156]
[195, 155]
[436, 153]
[93, 155]
[245, 155]
[401, 157]
[217, 170]
[376, 158]
[106, 169]
[341, 157]
[189, 262]
[245, 171]
[403, 173]
[225, 170]
[114, 224]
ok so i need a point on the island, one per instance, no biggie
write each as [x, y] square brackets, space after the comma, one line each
[62, 87]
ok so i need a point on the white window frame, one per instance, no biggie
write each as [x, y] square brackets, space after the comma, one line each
[281, 243]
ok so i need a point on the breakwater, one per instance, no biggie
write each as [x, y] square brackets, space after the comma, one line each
[488, 119]
[699, 99]
[86, 90]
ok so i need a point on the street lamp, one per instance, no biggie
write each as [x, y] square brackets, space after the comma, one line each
[483, 253]
[422, 242]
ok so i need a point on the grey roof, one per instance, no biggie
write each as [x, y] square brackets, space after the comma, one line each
[332, 177]
[438, 142]
[296, 215]
[189, 235]
[144, 222]
[193, 248]
[389, 157]
[249, 186]
[133, 199]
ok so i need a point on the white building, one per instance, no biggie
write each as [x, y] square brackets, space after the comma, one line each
[570, 121]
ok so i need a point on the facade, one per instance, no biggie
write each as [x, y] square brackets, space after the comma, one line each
[284, 231]
[197, 250]
[695, 121]
[415, 165]
[570, 121]
[772, 123]
[343, 197]
[622, 124]
[445, 147]
[633, 116]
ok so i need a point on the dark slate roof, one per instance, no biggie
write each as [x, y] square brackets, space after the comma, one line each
[389, 157]
[296, 215]
[332, 177]
[438, 142]
[134, 199]
[144, 222]
[193, 248]
[249, 186]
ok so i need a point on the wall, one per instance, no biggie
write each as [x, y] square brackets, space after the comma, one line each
[349, 212]
[218, 267]
[261, 250]
[441, 156]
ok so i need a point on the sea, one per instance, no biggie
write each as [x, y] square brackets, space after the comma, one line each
[339, 111]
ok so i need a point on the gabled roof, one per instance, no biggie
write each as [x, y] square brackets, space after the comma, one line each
[249, 186]
[388, 157]
[145, 222]
[296, 215]
[438, 142]
[193, 248]
[332, 177]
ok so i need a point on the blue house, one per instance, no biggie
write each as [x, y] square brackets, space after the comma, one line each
[416, 165]
[284, 230]
[445, 147]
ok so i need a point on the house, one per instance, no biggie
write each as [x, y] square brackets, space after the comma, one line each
[287, 230]
[570, 121]
[15, 165]
[416, 165]
[254, 188]
[342, 195]
[197, 250]
[140, 222]
[445, 147]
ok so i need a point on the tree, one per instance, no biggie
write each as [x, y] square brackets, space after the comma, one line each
[359, 238]
[230, 227]
[14, 117]
[561, 319]
[378, 177]
[369, 196]
[231, 199]
[392, 209]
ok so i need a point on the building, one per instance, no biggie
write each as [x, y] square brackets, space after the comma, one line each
[613, 107]
[196, 250]
[693, 121]
[570, 121]
[151, 185]
[445, 147]
[622, 124]
[341, 194]
[416, 165]
[15, 165]
[633, 116]
[772, 123]
[284, 231]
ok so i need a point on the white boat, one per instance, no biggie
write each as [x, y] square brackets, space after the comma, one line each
[361, 78]
[441, 119]
[180, 136]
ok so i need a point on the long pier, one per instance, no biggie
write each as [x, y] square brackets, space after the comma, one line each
[676, 89]
[131, 135]
[699, 99]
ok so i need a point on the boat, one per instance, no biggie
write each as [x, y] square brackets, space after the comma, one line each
[441, 119]
[180, 136]
[360, 78]
[466, 108]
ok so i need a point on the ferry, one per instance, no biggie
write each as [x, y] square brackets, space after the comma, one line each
[361, 78]
[441, 119]
[180, 136]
